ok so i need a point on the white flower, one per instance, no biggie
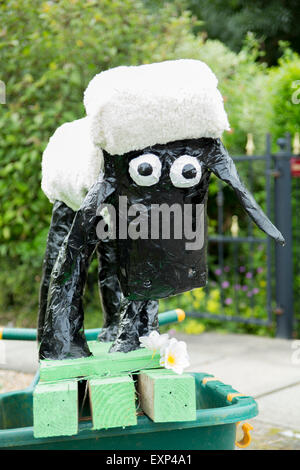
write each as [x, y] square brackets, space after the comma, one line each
[154, 341]
[174, 356]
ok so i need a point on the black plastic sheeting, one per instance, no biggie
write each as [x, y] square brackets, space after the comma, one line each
[62, 218]
[137, 318]
[222, 165]
[63, 334]
[147, 269]
[109, 286]
[156, 268]
[110, 290]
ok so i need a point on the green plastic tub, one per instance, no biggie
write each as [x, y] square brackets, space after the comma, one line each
[219, 408]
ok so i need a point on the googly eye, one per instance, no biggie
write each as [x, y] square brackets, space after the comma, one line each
[185, 172]
[145, 170]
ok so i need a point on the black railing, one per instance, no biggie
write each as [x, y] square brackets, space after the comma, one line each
[284, 255]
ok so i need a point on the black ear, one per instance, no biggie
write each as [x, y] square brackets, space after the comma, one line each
[221, 164]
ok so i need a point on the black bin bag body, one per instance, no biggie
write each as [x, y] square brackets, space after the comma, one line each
[160, 261]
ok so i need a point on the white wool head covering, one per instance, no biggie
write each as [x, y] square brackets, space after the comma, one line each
[135, 107]
[131, 108]
[71, 163]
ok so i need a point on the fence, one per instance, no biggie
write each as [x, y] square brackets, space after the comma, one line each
[252, 279]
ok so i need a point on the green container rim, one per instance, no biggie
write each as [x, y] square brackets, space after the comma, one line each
[239, 408]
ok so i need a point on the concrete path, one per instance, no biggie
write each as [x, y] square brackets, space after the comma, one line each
[265, 368]
[20, 356]
[253, 365]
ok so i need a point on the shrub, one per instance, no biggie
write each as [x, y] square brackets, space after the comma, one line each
[284, 87]
[49, 52]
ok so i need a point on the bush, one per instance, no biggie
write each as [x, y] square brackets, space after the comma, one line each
[284, 92]
[243, 84]
[49, 52]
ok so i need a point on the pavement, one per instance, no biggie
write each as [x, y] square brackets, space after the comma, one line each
[267, 369]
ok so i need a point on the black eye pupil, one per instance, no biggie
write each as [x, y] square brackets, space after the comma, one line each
[189, 171]
[145, 169]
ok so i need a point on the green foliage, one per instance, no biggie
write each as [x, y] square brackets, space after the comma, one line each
[49, 52]
[284, 90]
[243, 84]
[237, 289]
[230, 21]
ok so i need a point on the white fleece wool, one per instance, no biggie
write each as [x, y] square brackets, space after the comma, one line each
[130, 108]
[134, 107]
[71, 163]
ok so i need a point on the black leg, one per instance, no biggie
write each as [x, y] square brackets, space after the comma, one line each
[63, 334]
[148, 318]
[109, 287]
[137, 318]
[62, 218]
[128, 332]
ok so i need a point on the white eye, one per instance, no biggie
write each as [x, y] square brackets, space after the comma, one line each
[145, 170]
[185, 172]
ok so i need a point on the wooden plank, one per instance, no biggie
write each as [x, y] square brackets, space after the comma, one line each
[112, 402]
[55, 409]
[166, 396]
[102, 363]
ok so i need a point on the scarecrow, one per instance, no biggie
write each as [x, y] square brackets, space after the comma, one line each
[71, 164]
[146, 149]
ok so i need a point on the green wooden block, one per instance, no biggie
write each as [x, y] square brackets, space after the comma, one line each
[112, 402]
[166, 396]
[98, 348]
[101, 364]
[55, 409]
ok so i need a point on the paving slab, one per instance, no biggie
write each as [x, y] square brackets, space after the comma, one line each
[252, 364]
[20, 356]
[282, 408]
[251, 376]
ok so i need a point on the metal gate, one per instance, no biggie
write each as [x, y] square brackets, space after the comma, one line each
[251, 279]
